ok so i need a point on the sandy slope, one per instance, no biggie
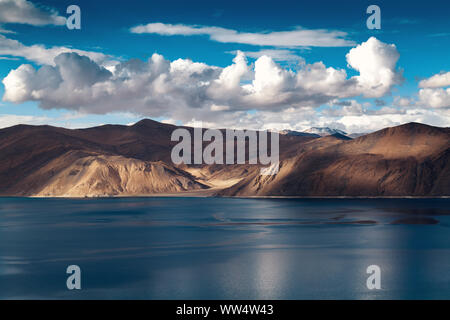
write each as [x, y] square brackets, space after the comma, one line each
[75, 175]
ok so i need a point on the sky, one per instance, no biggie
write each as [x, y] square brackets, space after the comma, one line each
[234, 64]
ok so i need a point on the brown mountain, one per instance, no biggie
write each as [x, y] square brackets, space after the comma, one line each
[408, 160]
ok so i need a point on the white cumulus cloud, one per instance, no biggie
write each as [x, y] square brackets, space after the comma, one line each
[275, 54]
[436, 81]
[40, 54]
[25, 12]
[376, 63]
[434, 98]
[183, 90]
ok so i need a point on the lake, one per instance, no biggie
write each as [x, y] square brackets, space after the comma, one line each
[224, 248]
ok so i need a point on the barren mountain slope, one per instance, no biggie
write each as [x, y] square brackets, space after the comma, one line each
[100, 175]
[408, 160]
[42, 160]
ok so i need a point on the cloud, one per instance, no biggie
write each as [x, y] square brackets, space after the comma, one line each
[40, 54]
[183, 90]
[8, 120]
[25, 12]
[2, 30]
[9, 58]
[298, 37]
[376, 121]
[376, 63]
[432, 94]
[403, 102]
[352, 121]
[345, 108]
[275, 54]
[74, 120]
[74, 73]
[215, 107]
[436, 81]
[434, 97]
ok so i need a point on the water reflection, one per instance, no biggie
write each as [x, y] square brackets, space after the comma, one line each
[191, 248]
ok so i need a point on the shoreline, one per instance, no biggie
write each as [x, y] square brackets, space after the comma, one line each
[199, 195]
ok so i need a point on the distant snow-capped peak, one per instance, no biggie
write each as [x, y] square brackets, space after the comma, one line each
[324, 131]
[287, 132]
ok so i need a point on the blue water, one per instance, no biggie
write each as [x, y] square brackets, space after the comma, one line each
[221, 248]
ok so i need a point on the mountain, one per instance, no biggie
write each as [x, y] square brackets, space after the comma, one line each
[298, 133]
[114, 160]
[340, 136]
[100, 175]
[105, 160]
[324, 131]
[408, 160]
[356, 135]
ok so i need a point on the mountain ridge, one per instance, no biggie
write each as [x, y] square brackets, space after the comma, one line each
[412, 159]
[324, 131]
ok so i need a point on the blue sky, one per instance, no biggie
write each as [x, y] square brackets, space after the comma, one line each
[419, 30]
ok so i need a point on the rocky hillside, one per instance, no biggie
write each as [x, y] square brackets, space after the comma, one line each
[408, 160]
[113, 160]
